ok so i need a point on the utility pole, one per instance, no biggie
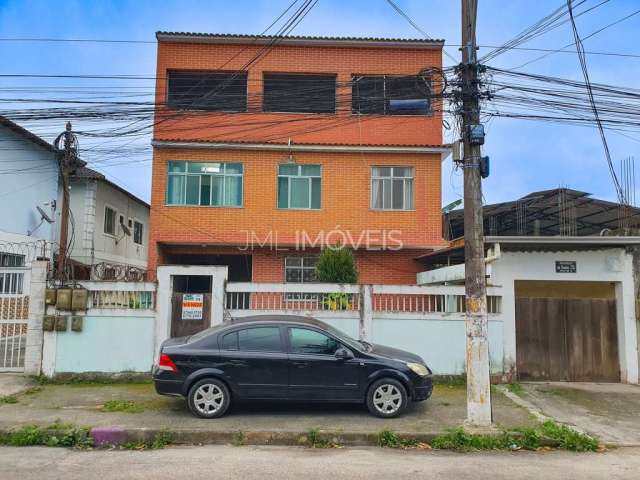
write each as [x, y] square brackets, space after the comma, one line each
[68, 160]
[476, 321]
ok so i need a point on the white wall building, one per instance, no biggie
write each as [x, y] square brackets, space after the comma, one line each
[568, 305]
[28, 179]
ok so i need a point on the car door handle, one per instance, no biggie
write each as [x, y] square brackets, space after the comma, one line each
[301, 364]
[237, 363]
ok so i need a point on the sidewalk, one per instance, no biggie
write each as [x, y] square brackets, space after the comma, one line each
[145, 411]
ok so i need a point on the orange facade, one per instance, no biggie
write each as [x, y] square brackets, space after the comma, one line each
[257, 227]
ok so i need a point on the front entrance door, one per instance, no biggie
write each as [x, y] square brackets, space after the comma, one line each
[567, 339]
[190, 304]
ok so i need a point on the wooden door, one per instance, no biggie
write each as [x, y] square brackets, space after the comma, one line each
[180, 326]
[566, 339]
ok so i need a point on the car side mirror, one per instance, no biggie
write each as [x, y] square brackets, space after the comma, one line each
[343, 354]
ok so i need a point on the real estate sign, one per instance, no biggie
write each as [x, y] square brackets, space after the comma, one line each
[192, 305]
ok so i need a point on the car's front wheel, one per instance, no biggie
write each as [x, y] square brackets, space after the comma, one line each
[387, 398]
[209, 398]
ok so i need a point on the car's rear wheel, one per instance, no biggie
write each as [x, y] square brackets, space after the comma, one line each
[209, 398]
[387, 398]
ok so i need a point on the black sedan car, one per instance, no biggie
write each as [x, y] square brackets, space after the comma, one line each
[287, 358]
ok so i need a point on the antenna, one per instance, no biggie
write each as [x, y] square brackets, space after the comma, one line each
[125, 230]
[44, 217]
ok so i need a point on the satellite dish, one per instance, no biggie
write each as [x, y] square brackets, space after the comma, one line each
[44, 215]
[126, 230]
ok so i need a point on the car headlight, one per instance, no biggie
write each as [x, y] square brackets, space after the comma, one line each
[419, 368]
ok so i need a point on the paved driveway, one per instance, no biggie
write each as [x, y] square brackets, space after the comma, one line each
[611, 411]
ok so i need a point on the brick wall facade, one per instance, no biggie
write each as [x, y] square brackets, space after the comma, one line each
[346, 177]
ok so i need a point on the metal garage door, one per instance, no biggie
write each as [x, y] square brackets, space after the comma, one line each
[567, 339]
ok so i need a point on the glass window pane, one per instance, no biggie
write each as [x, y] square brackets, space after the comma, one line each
[309, 275]
[204, 167]
[310, 261]
[233, 191]
[193, 190]
[293, 275]
[216, 190]
[175, 190]
[408, 194]
[315, 192]
[177, 166]
[398, 194]
[262, 339]
[311, 170]
[293, 261]
[381, 171]
[386, 193]
[311, 342]
[299, 193]
[402, 171]
[230, 341]
[288, 170]
[233, 168]
[283, 192]
[376, 193]
[205, 190]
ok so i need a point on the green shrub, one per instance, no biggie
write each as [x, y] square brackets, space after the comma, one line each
[55, 435]
[390, 439]
[336, 265]
[7, 399]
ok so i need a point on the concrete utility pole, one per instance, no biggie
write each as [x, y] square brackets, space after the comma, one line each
[68, 158]
[477, 354]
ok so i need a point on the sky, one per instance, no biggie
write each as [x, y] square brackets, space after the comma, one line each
[525, 155]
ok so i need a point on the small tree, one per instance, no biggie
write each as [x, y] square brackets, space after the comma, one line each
[336, 265]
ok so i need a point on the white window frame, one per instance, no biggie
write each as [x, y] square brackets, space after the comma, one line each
[115, 221]
[135, 220]
[297, 297]
[299, 176]
[412, 178]
[186, 174]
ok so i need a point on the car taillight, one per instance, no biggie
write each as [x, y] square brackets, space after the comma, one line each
[165, 363]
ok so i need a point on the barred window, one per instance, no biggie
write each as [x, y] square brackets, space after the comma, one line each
[390, 95]
[221, 91]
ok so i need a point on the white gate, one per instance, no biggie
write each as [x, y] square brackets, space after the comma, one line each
[14, 317]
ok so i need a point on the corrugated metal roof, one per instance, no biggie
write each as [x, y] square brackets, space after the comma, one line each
[238, 38]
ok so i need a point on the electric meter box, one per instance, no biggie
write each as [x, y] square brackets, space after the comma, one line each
[79, 298]
[63, 300]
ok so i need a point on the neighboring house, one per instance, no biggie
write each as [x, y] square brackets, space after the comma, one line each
[319, 141]
[28, 179]
[568, 270]
[111, 225]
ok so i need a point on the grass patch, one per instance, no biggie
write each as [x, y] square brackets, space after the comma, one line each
[568, 438]
[126, 406]
[451, 380]
[390, 439]
[161, 440]
[32, 390]
[55, 435]
[517, 439]
[239, 438]
[316, 440]
[8, 399]
[516, 389]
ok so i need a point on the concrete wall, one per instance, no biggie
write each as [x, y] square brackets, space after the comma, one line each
[440, 342]
[107, 344]
[605, 265]
[29, 178]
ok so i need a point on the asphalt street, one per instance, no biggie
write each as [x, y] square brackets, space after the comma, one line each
[284, 463]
